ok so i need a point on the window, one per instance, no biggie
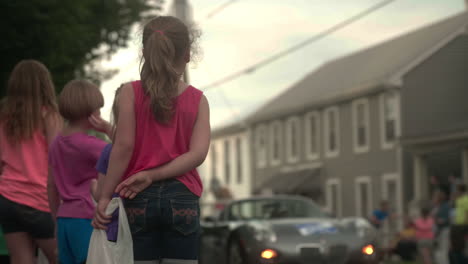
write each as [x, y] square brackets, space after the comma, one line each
[389, 118]
[332, 137]
[239, 159]
[363, 197]
[260, 146]
[391, 192]
[333, 196]
[312, 135]
[227, 162]
[214, 161]
[276, 142]
[292, 139]
[361, 125]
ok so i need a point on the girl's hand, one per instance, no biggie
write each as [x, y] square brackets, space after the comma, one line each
[100, 218]
[100, 124]
[134, 185]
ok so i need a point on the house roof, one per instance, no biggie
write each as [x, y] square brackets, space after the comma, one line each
[360, 72]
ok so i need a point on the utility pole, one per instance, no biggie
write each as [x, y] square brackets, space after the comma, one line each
[182, 10]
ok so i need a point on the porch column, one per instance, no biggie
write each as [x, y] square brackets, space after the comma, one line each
[465, 165]
[421, 181]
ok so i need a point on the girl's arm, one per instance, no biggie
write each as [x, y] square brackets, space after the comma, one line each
[198, 149]
[120, 155]
[52, 193]
[53, 125]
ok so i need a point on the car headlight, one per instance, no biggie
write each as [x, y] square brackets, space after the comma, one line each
[265, 235]
[368, 250]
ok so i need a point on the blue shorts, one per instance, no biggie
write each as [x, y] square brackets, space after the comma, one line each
[165, 223]
[73, 235]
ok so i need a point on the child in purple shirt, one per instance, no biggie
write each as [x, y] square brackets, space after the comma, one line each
[72, 158]
[101, 167]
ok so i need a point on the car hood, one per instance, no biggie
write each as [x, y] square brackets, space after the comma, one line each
[310, 230]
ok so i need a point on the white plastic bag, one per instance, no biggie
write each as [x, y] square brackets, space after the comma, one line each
[102, 251]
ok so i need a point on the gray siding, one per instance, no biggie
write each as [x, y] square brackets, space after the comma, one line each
[348, 165]
[435, 94]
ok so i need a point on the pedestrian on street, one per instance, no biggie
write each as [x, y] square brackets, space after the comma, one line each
[29, 120]
[380, 214]
[424, 227]
[442, 221]
[459, 229]
[72, 159]
[162, 136]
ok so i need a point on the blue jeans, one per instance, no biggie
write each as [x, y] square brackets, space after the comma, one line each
[165, 222]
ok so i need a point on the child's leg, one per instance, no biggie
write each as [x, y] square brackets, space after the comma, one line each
[426, 255]
[79, 235]
[49, 247]
[20, 247]
[64, 251]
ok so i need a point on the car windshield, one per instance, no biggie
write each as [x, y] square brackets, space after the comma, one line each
[274, 209]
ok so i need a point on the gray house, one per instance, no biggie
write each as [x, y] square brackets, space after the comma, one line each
[374, 125]
[368, 126]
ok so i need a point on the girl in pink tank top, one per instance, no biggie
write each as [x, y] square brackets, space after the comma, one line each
[29, 120]
[162, 136]
[424, 226]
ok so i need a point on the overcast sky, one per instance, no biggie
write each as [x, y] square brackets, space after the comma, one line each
[247, 31]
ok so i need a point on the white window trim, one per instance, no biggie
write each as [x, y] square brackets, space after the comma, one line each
[307, 138]
[328, 152]
[228, 161]
[275, 125]
[339, 203]
[399, 206]
[261, 162]
[358, 181]
[354, 105]
[290, 122]
[213, 151]
[386, 144]
[238, 152]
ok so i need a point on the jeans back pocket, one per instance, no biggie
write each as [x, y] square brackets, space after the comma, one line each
[136, 214]
[185, 216]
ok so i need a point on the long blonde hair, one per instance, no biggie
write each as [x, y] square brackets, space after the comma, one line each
[166, 42]
[30, 92]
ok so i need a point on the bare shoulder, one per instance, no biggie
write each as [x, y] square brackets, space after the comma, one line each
[204, 101]
[126, 92]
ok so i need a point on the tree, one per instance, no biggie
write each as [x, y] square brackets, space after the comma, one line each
[67, 35]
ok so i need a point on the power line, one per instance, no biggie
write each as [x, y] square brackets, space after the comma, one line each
[218, 9]
[279, 55]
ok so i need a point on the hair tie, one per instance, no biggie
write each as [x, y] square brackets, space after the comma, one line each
[160, 32]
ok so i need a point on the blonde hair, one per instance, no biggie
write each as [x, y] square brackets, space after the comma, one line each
[79, 99]
[166, 42]
[30, 93]
[115, 111]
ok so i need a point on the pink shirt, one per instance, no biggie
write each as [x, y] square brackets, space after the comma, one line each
[156, 143]
[24, 176]
[424, 228]
[73, 160]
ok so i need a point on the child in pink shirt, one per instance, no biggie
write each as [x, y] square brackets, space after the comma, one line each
[424, 226]
[29, 121]
[162, 136]
[72, 158]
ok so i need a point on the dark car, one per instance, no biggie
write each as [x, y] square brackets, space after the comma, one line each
[284, 229]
